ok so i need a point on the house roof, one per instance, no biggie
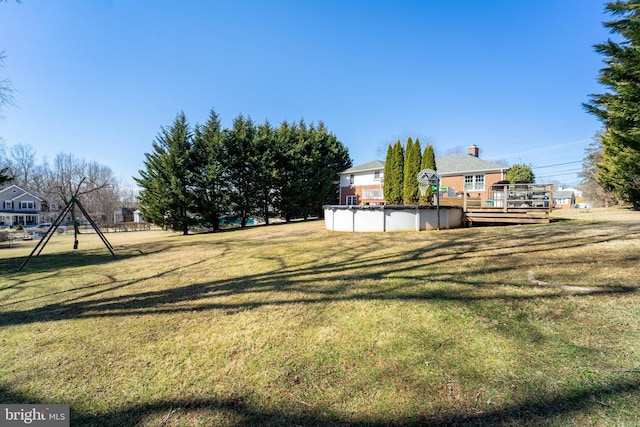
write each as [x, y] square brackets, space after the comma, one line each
[466, 163]
[563, 194]
[462, 163]
[21, 192]
[374, 165]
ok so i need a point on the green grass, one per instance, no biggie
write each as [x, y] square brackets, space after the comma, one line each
[295, 325]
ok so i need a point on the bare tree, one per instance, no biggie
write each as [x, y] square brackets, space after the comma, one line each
[6, 89]
[91, 182]
[23, 164]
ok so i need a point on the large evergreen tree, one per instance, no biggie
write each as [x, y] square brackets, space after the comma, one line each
[619, 169]
[208, 169]
[310, 161]
[413, 157]
[428, 162]
[619, 108]
[240, 157]
[266, 173]
[165, 196]
[328, 157]
[289, 172]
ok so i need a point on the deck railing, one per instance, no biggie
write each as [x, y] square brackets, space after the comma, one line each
[506, 197]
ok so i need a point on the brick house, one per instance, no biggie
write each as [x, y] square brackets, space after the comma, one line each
[463, 173]
[467, 173]
[362, 184]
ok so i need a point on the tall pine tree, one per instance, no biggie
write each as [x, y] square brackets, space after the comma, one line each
[238, 145]
[165, 196]
[210, 192]
[329, 157]
[619, 108]
[266, 173]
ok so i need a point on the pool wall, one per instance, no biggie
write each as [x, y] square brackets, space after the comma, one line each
[390, 218]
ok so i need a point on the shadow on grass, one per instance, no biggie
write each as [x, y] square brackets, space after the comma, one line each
[239, 411]
[53, 262]
[318, 280]
[47, 262]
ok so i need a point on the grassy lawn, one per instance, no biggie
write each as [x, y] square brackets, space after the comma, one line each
[295, 325]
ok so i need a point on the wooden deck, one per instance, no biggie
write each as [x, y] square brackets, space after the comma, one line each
[508, 204]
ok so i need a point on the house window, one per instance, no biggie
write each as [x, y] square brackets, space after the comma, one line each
[27, 204]
[474, 182]
[8, 204]
[352, 200]
[377, 175]
[351, 179]
[372, 194]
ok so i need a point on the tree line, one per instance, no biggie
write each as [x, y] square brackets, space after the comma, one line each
[207, 175]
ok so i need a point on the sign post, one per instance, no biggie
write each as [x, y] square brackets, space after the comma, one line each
[426, 179]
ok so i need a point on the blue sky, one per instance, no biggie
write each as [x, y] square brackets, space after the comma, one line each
[98, 78]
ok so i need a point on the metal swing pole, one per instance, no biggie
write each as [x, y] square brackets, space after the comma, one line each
[95, 227]
[50, 232]
[54, 226]
[438, 201]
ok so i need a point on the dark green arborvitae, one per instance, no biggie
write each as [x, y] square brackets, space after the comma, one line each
[428, 162]
[619, 107]
[395, 179]
[388, 174]
[165, 196]
[412, 158]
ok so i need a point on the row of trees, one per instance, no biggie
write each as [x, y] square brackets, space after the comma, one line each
[401, 170]
[209, 174]
[614, 159]
[66, 176]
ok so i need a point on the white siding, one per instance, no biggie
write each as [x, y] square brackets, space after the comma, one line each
[360, 178]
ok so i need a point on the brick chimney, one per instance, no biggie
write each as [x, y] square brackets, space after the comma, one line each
[473, 150]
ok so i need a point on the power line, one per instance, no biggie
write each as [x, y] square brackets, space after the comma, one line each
[543, 149]
[557, 164]
[558, 174]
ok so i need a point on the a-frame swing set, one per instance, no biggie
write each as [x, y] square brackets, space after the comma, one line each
[54, 226]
